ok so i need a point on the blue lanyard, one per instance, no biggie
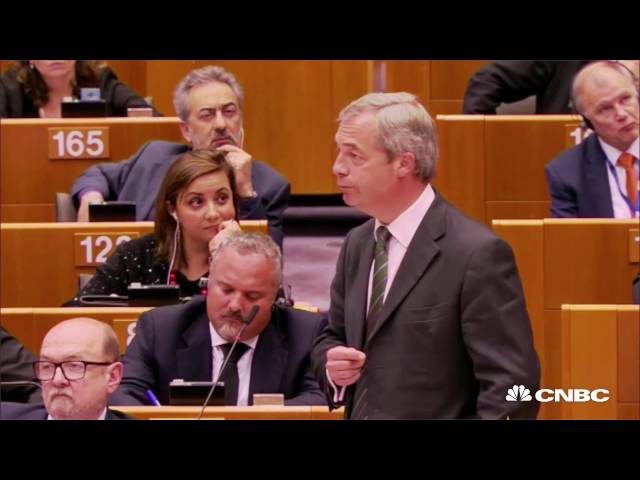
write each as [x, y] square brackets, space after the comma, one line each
[633, 208]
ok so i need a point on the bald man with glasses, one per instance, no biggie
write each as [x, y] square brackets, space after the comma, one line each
[78, 368]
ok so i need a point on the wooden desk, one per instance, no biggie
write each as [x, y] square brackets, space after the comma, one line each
[30, 325]
[573, 261]
[234, 413]
[492, 167]
[41, 261]
[30, 177]
[601, 350]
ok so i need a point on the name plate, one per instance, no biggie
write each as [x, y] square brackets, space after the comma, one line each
[91, 249]
[67, 143]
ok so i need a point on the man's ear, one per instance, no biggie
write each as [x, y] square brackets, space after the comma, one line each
[115, 376]
[406, 164]
[185, 130]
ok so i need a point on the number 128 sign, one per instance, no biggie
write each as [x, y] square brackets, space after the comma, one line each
[78, 142]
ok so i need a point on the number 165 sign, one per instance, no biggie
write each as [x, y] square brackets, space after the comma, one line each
[78, 142]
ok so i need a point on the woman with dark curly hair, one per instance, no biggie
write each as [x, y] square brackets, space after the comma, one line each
[36, 88]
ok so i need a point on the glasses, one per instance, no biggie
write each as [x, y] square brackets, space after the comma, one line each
[72, 369]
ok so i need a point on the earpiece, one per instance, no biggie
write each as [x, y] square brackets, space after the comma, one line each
[175, 216]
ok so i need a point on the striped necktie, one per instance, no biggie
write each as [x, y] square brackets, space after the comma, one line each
[380, 268]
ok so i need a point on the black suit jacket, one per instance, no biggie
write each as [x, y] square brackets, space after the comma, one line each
[512, 80]
[37, 411]
[578, 182]
[16, 364]
[175, 342]
[138, 179]
[117, 96]
[453, 334]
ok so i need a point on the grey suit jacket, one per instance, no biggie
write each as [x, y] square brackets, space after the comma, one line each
[453, 334]
[175, 342]
[138, 179]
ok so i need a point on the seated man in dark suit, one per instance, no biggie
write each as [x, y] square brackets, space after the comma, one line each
[209, 102]
[16, 371]
[599, 177]
[190, 341]
[78, 368]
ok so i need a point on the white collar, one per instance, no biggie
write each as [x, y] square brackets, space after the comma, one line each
[404, 227]
[217, 340]
[613, 154]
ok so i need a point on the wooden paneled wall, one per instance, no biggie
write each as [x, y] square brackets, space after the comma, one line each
[291, 106]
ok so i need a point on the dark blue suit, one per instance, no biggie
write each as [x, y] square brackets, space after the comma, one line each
[138, 179]
[579, 183]
[175, 342]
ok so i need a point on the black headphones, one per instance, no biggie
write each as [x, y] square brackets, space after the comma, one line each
[623, 69]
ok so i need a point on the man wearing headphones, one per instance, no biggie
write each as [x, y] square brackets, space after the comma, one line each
[209, 102]
[599, 177]
[191, 341]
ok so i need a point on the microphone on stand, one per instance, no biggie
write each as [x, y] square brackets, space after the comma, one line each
[252, 314]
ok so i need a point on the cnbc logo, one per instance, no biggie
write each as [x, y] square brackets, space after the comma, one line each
[520, 393]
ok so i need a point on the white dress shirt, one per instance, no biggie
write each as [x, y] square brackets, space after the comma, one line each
[244, 364]
[620, 207]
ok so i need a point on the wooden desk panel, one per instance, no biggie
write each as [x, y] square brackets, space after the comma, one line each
[587, 262]
[412, 76]
[496, 162]
[561, 261]
[461, 167]
[30, 179]
[234, 413]
[38, 267]
[517, 149]
[38, 263]
[30, 325]
[449, 78]
[592, 359]
[517, 210]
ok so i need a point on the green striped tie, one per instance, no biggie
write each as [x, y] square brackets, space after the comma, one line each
[380, 267]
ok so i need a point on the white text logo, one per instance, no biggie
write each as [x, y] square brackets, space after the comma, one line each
[518, 393]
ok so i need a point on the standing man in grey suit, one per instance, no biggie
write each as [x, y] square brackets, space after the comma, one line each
[427, 316]
[210, 104]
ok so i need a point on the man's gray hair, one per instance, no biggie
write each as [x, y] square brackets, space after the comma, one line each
[592, 71]
[199, 77]
[404, 125]
[251, 242]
